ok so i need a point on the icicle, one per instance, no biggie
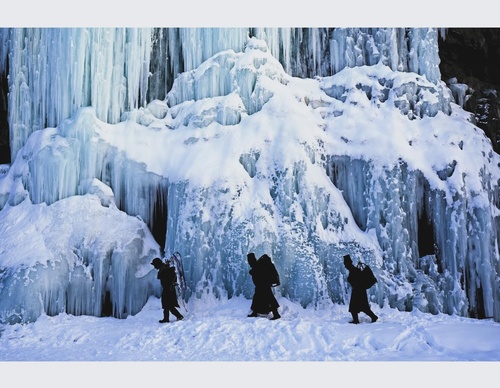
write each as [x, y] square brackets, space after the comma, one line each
[53, 72]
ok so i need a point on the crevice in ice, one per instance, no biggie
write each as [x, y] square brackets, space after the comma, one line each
[5, 155]
[426, 244]
[478, 301]
[249, 162]
[107, 305]
[159, 220]
[447, 172]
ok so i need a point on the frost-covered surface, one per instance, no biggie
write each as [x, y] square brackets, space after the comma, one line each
[242, 156]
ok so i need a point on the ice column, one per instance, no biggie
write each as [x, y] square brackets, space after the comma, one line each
[53, 72]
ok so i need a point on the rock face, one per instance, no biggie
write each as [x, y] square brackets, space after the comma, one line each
[472, 56]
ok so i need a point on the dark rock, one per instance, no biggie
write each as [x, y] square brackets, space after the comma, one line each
[472, 56]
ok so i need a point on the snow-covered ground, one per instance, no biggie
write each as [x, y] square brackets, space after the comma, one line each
[221, 331]
[301, 346]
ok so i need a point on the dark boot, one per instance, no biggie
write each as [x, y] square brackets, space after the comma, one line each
[275, 315]
[165, 317]
[177, 314]
[372, 316]
[355, 319]
[253, 314]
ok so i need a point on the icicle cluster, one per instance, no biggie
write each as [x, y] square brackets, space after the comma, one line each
[115, 70]
[53, 72]
[429, 231]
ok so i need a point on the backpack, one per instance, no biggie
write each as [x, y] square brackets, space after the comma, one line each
[368, 279]
[269, 270]
[275, 277]
[176, 259]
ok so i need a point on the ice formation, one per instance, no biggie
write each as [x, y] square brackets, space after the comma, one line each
[305, 144]
[80, 255]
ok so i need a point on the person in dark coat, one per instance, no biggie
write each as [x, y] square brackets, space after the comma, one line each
[168, 278]
[264, 277]
[259, 305]
[359, 298]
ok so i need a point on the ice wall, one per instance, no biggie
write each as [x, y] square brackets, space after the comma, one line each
[302, 180]
[70, 156]
[259, 201]
[53, 72]
[79, 256]
[433, 209]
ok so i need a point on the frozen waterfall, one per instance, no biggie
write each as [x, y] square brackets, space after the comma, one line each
[119, 69]
[305, 144]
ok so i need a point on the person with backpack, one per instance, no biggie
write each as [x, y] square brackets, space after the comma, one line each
[168, 279]
[257, 305]
[359, 298]
[264, 277]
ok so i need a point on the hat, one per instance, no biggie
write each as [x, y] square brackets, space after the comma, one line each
[157, 262]
[252, 260]
[347, 259]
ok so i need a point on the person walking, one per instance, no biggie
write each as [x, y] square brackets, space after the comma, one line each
[359, 298]
[264, 277]
[257, 300]
[168, 278]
